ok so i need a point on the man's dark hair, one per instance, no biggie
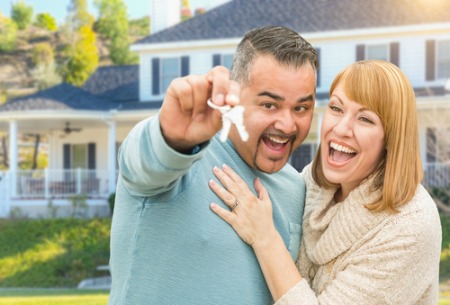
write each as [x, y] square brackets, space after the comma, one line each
[285, 45]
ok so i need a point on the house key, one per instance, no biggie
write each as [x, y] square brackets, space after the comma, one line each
[231, 115]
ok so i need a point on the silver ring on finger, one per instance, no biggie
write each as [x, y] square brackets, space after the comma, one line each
[236, 203]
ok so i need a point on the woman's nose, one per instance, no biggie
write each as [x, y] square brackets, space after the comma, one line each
[344, 127]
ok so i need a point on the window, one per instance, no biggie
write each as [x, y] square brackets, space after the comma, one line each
[170, 69]
[302, 156]
[443, 59]
[378, 52]
[389, 52]
[79, 156]
[438, 145]
[227, 60]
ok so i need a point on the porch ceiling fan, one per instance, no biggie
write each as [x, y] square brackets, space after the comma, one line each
[68, 129]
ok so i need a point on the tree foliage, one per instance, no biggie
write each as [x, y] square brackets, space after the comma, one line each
[46, 21]
[78, 15]
[113, 24]
[22, 14]
[42, 53]
[8, 34]
[83, 57]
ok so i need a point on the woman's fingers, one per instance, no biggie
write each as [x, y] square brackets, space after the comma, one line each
[228, 216]
[229, 199]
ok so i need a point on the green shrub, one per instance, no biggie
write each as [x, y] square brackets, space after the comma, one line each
[22, 14]
[8, 34]
[46, 21]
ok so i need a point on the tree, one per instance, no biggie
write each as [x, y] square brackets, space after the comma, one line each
[113, 24]
[81, 52]
[8, 34]
[22, 14]
[46, 21]
[78, 14]
[83, 58]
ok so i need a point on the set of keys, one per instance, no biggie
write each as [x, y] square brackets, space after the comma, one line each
[231, 115]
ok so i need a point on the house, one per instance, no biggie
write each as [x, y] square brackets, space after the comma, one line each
[86, 125]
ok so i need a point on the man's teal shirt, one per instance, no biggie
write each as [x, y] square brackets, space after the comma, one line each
[167, 246]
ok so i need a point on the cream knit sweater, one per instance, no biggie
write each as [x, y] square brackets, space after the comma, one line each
[352, 256]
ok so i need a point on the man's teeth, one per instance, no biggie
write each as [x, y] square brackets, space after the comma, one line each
[342, 148]
[278, 140]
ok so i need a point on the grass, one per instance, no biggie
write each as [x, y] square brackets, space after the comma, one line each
[24, 296]
[52, 252]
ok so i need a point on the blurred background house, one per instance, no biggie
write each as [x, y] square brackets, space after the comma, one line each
[85, 124]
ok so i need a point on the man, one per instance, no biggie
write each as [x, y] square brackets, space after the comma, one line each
[167, 247]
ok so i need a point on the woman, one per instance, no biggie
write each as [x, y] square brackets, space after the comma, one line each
[371, 232]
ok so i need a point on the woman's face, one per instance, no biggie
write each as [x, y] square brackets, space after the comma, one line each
[352, 142]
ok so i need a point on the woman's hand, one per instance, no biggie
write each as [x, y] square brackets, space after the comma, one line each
[252, 217]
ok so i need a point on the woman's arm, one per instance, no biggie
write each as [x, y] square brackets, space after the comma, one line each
[253, 222]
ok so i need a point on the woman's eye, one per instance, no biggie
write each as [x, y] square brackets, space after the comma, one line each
[365, 119]
[334, 108]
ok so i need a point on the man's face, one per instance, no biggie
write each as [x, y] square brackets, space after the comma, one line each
[279, 105]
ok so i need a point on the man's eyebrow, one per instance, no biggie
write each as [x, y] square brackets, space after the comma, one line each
[281, 99]
[272, 95]
[306, 99]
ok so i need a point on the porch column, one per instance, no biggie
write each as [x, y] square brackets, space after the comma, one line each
[112, 157]
[13, 157]
[319, 126]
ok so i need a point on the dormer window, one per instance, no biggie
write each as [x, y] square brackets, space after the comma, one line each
[380, 51]
[170, 69]
[386, 51]
[443, 59]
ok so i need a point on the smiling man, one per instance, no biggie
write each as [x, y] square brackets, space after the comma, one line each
[164, 245]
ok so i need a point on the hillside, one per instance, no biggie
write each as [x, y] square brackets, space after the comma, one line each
[16, 67]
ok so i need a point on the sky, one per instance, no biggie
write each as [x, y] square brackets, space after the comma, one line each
[58, 8]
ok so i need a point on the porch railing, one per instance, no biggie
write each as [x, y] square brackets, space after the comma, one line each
[35, 184]
[61, 183]
[437, 175]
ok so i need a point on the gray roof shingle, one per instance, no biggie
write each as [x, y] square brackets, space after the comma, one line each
[59, 97]
[120, 83]
[233, 19]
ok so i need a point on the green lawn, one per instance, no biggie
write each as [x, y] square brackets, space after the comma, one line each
[23, 296]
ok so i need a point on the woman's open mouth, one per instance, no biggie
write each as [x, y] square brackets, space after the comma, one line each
[340, 154]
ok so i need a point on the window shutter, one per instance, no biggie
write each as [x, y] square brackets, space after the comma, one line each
[430, 60]
[66, 156]
[184, 65]
[91, 155]
[155, 76]
[394, 53]
[216, 60]
[318, 70]
[360, 52]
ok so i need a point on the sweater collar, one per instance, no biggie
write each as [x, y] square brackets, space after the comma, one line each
[332, 228]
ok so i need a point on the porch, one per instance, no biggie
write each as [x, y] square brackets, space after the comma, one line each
[55, 193]
[39, 192]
